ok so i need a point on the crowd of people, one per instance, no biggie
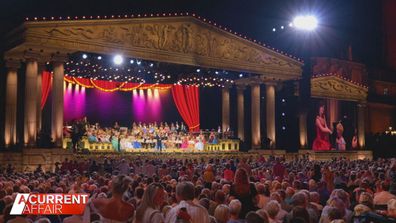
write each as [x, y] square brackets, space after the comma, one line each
[141, 135]
[243, 188]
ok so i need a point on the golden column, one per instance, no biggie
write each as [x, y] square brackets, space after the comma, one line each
[30, 117]
[41, 68]
[302, 123]
[332, 109]
[270, 112]
[10, 133]
[241, 112]
[256, 135]
[360, 125]
[57, 103]
[225, 92]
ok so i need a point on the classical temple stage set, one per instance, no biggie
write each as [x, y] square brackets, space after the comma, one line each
[41, 48]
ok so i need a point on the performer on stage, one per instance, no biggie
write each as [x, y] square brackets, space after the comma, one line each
[321, 141]
[159, 142]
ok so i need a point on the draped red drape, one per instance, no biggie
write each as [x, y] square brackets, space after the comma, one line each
[45, 87]
[187, 102]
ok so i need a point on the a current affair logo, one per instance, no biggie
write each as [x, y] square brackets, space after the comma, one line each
[49, 204]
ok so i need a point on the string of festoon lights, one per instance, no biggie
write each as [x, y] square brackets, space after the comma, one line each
[117, 68]
[207, 78]
[146, 15]
[341, 77]
[98, 67]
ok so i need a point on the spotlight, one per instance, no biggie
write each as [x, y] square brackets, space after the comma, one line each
[198, 70]
[99, 57]
[283, 100]
[84, 56]
[118, 60]
[306, 22]
[283, 114]
[240, 75]
[131, 61]
[138, 62]
[283, 127]
[216, 72]
[151, 65]
[291, 24]
[273, 29]
[282, 27]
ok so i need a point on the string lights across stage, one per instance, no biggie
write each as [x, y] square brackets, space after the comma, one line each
[90, 69]
[209, 78]
[113, 68]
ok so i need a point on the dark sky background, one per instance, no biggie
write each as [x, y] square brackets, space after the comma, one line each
[342, 22]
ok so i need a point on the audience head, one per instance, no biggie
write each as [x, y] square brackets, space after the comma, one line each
[222, 213]
[185, 191]
[235, 207]
[120, 184]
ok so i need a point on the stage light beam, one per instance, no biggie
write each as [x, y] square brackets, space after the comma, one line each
[156, 94]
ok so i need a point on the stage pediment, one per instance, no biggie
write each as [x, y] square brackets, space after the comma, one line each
[333, 86]
[181, 40]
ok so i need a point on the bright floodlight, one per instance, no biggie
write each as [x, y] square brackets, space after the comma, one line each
[118, 59]
[307, 22]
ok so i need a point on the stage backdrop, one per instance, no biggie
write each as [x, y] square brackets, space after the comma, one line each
[125, 107]
[136, 106]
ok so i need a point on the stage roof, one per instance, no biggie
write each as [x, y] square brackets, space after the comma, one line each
[172, 38]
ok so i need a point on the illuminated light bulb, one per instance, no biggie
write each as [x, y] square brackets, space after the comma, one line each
[118, 59]
[306, 22]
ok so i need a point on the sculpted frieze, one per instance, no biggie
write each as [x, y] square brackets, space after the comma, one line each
[180, 37]
[177, 40]
[334, 87]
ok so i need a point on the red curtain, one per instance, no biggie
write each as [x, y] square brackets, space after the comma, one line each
[45, 87]
[187, 102]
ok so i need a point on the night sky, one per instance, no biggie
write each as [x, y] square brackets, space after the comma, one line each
[342, 22]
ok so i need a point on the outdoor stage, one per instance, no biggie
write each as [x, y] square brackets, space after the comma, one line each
[224, 145]
[29, 158]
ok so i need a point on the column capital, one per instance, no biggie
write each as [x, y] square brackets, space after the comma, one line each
[271, 83]
[30, 56]
[13, 65]
[240, 87]
[41, 67]
[254, 84]
[58, 59]
[227, 86]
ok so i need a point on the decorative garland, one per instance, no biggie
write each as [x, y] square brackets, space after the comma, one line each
[107, 90]
[81, 84]
[132, 88]
[121, 87]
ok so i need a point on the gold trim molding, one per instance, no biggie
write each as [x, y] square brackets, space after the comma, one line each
[337, 88]
[180, 40]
